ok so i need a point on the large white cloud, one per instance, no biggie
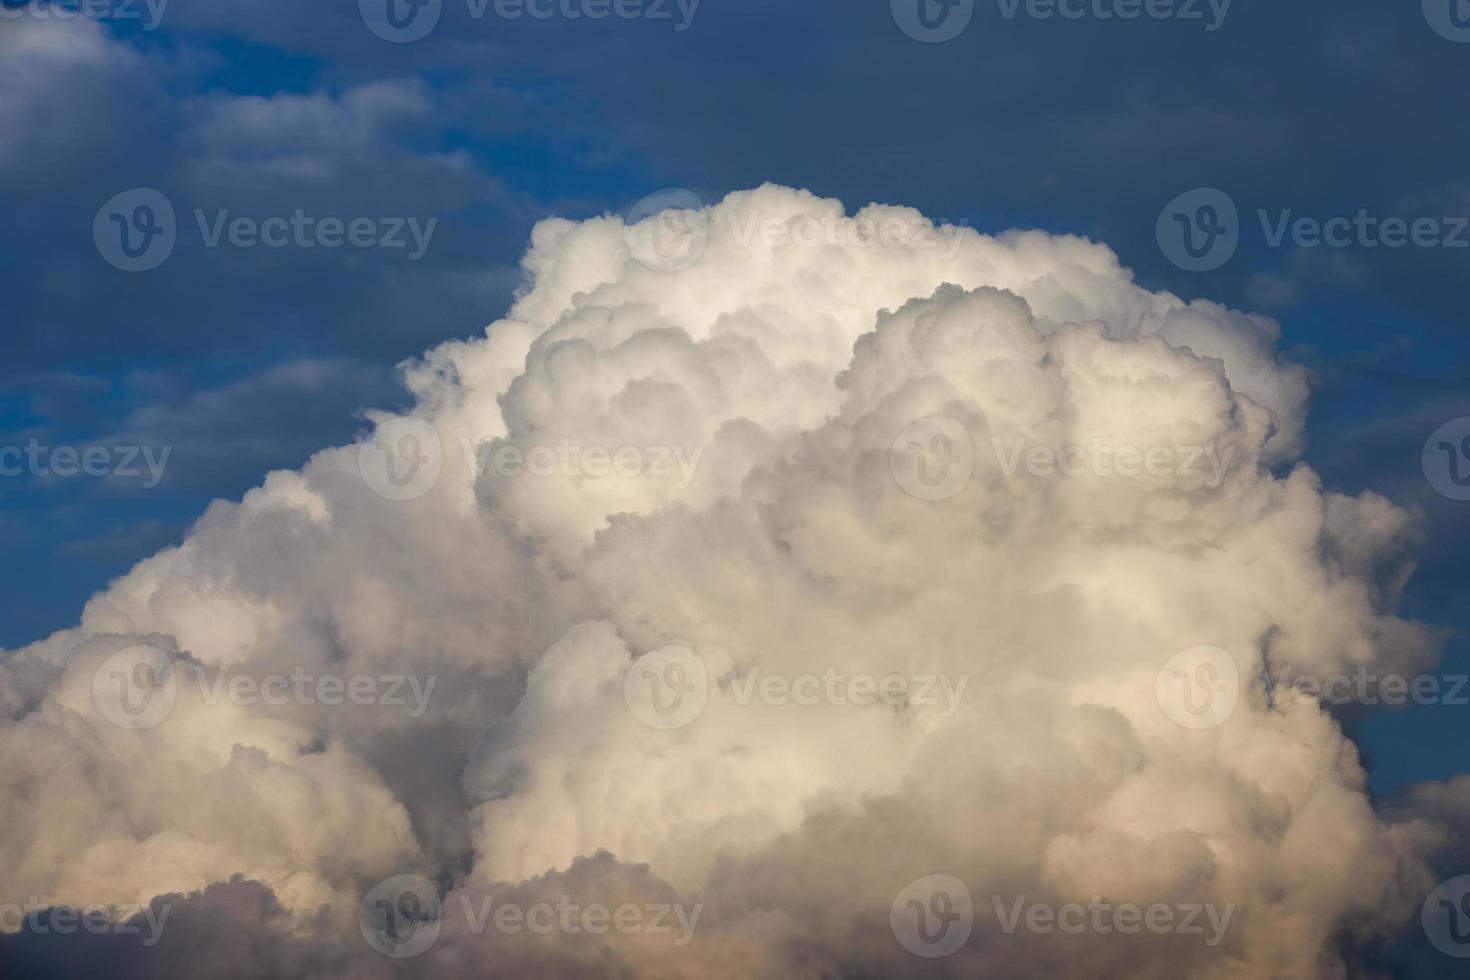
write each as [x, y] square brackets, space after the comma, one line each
[765, 399]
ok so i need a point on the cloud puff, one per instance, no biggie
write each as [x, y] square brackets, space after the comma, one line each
[916, 516]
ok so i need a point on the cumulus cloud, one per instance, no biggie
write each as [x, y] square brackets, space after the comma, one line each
[916, 517]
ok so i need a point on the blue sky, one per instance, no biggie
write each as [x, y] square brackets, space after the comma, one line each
[243, 360]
